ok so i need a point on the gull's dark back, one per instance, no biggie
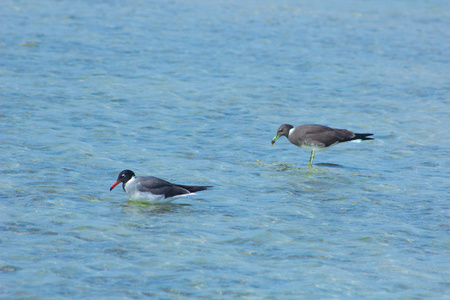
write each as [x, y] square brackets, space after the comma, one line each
[159, 186]
[324, 136]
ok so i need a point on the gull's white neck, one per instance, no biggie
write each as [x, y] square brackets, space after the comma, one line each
[291, 131]
[129, 184]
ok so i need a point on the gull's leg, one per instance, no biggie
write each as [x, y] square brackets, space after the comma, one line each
[311, 159]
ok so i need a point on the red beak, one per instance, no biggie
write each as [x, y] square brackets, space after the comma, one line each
[114, 185]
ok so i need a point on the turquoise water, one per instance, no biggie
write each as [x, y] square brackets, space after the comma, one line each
[193, 92]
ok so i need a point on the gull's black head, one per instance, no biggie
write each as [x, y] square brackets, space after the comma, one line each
[283, 130]
[123, 177]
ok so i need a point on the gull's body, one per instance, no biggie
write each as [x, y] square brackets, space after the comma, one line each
[152, 189]
[317, 137]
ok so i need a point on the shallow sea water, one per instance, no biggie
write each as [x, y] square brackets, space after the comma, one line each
[193, 92]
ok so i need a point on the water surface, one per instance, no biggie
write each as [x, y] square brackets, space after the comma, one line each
[193, 92]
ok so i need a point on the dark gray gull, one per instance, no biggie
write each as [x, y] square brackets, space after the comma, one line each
[152, 189]
[317, 137]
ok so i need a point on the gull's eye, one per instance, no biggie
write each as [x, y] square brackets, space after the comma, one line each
[280, 130]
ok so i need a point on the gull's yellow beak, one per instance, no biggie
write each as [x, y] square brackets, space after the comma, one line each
[275, 139]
